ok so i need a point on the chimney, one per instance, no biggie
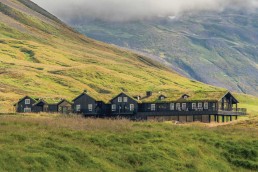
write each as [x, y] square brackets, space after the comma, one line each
[149, 93]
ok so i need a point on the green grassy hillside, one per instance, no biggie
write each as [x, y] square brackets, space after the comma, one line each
[41, 56]
[75, 144]
[215, 48]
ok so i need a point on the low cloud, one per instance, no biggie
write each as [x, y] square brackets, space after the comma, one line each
[126, 10]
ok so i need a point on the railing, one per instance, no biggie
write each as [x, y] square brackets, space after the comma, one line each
[238, 111]
[197, 111]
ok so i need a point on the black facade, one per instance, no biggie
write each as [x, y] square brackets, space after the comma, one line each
[25, 105]
[123, 105]
[43, 106]
[40, 106]
[86, 105]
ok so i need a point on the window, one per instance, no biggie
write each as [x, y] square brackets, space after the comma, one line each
[162, 98]
[27, 101]
[206, 105]
[193, 105]
[184, 106]
[172, 106]
[214, 106]
[78, 108]
[120, 99]
[178, 106]
[185, 97]
[153, 107]
[199, 105]
[27, 110]
[131, 107]
[113, 107]
[90, 107]
[125, 99]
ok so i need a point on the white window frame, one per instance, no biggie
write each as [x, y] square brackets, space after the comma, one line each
[78, 108]
[200, 105]
[114, 107]
[178, 106]
[194, 106]
[183, 106]
[125, 99]
[27, 101]
[172, 106]
[153, 107]
[120, 99]
[206, 105]
[90, 107]
[213, 106]
[132, 107]
[162, 97]
[185, 97]
[27, 110]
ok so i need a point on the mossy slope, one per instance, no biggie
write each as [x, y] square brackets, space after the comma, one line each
[41, 56]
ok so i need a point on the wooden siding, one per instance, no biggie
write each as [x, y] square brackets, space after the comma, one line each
[84, 101]
[64, 107]
[123, 108]
[182, 110]
[21, 105]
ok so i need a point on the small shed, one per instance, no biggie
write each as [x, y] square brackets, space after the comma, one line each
[64, 107]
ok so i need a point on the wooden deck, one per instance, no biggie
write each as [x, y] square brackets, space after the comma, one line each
[238, 112]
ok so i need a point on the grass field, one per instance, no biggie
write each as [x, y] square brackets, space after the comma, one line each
[57, 143]
[42, 57]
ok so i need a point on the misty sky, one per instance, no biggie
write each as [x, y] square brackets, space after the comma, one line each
[124, 10]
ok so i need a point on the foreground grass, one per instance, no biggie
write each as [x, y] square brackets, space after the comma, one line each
[45, 143]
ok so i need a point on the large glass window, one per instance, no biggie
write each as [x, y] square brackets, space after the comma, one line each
[194, 106]
[27, 110]
[178, 106]
[153, 107]
[78, 108]
[172, 106]
[90, 107]
[131, 107]
[125, 99]
[206, 105]
[113, 107]
[184, 106]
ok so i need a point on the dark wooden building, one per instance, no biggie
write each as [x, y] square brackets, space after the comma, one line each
[41, 106]
[190, 109]
[124, 105]
[89, 106]
[53, 106]
[64, 107]
[196, 106]
[25, 105]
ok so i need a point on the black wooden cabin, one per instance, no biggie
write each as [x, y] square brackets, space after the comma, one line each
[124, 106]
[41, 106]
[25, 105]
[89, 106]
[53, 106]
[64, 107]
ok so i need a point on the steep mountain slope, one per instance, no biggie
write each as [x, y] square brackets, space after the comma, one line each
[215, 48]
[41, 56]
